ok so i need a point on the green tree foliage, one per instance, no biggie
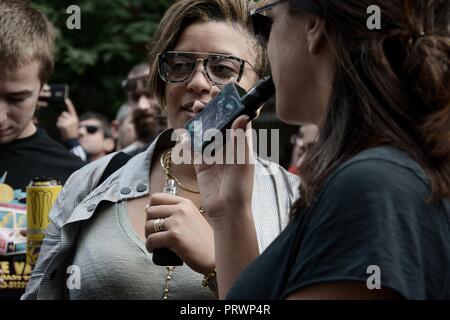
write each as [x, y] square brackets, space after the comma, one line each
[94, 60]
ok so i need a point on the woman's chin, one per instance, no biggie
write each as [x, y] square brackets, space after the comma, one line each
[287, 116]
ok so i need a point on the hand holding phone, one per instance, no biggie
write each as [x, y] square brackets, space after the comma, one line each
[55, 95]
[231, 103]
[68, 122]
[51, 104]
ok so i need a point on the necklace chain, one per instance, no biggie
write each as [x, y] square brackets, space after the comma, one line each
[165, 164]
[168, 278]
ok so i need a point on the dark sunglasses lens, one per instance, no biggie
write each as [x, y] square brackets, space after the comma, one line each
[262, 26]
[91, 129]
[176, 67]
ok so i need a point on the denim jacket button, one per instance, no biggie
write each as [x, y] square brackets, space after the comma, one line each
[141, 188]
[125, 191]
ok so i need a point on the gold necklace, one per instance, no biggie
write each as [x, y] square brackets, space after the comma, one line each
[168, 278]
[165, 164]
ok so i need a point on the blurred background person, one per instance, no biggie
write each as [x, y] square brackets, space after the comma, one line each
[67, 124]
[145, 110]
[95, 135]
[122, 128]
[88, 137]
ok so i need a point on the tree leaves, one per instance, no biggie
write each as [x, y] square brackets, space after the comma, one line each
[113, 38]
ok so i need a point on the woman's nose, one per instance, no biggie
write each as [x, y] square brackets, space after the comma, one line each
[199, 82]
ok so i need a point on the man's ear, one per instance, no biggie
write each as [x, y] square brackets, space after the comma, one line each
[108, 145]
[315, 33]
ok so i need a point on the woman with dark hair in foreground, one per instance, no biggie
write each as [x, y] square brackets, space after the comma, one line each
[373, 218]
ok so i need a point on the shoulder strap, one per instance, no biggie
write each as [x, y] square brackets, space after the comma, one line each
[116, 162]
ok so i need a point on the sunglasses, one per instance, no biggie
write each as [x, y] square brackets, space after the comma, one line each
[220, 69]
[91, 129]
[262, 24]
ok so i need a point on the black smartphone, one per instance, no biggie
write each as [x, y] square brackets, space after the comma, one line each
[59, 93]
[217, 114]
[166, 257]
[231, 102]
[48, 115]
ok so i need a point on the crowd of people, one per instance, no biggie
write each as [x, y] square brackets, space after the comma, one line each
[91, 136]
[368, 184]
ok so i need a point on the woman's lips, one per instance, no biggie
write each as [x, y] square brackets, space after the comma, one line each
[192, 105]
[190, 113]
[198, 106]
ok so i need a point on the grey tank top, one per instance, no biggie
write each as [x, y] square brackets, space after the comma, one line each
[114, 263]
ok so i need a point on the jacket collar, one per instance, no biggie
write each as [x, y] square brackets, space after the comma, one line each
[131, 181]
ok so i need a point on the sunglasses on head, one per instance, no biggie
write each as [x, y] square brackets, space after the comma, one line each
[262, 24]
[91, 129]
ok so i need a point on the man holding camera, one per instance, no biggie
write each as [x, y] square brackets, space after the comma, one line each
[26, 59]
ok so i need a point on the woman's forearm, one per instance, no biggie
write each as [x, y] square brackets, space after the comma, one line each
[236, 246]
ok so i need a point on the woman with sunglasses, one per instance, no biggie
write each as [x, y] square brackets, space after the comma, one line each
[373, 218]
[200, 46]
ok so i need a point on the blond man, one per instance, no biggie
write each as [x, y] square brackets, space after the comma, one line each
[26, 60]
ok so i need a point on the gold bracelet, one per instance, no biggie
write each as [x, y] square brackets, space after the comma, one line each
[210, 281]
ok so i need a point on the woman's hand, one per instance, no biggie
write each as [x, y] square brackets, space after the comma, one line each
[226, 188]
[226, 191]
[186, 232]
